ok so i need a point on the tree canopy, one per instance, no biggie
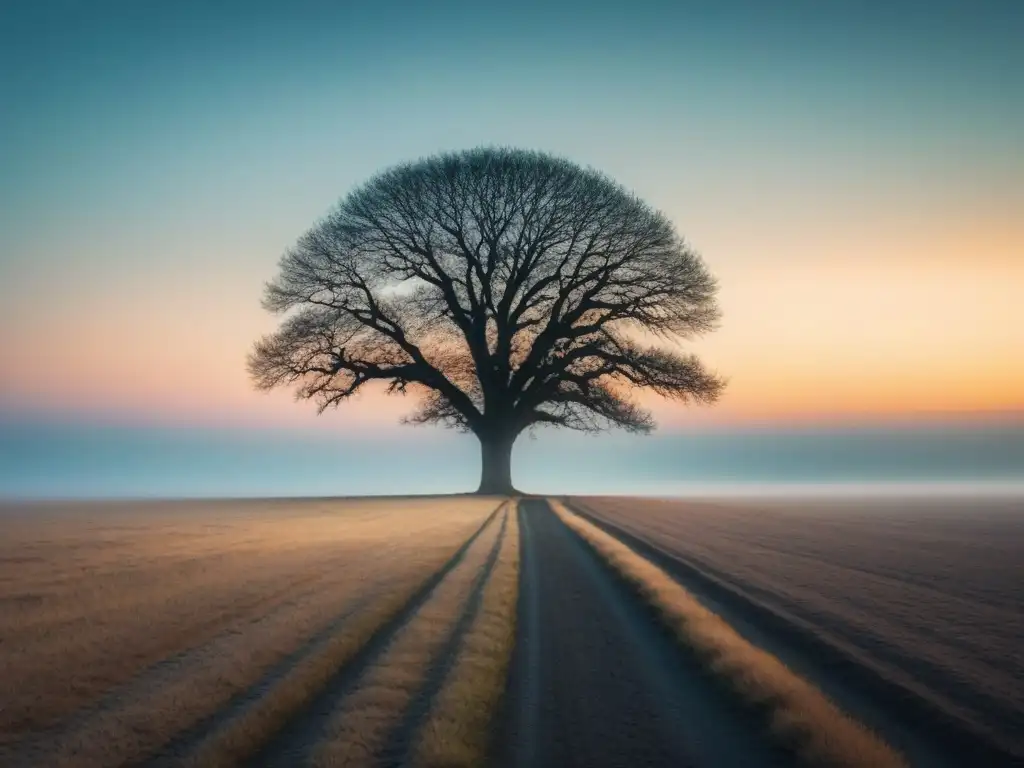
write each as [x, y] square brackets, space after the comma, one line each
[507, 288]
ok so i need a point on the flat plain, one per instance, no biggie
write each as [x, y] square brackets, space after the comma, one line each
[527, 633]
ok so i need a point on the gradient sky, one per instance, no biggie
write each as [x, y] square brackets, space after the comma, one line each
[852, 172]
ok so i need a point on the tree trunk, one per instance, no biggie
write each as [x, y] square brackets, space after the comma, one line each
[496, 465]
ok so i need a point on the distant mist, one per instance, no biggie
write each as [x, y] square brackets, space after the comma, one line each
[78, 460]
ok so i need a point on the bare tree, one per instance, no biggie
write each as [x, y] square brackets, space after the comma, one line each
[509, 288]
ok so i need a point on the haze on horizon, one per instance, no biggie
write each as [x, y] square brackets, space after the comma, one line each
[853, 176]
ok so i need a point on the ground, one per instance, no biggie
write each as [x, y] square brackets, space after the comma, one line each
[454, 631]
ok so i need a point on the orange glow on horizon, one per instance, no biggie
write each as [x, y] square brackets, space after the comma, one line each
[924, 322]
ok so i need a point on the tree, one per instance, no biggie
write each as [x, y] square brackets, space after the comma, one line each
[509, 288]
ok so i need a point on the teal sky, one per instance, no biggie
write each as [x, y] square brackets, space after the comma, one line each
[851, 171]
[142, 114]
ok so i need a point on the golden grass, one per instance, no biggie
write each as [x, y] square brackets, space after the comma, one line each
[358, 731]
[73, 587]
[139, 721]
[457, 731]
[800, 716]
[71, 668]
[259, 579]
[246, 734]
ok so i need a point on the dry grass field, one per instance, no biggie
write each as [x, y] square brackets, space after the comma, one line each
[925, 594]
[461, 632]
[193, 630]
[370, 723]
[456, 730]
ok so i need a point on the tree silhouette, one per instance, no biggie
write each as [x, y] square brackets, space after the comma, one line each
[509, 288]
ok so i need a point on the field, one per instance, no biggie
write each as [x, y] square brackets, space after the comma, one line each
[193, 633]
[919, 599]
[484, 631]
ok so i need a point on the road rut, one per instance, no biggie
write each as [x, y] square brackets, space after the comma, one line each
[595, 682]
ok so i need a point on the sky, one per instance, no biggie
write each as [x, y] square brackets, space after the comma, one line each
[851, 172]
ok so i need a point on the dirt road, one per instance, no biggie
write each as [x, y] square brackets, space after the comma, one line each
[595, 683]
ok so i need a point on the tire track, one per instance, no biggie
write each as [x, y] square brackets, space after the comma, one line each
[516, 740]
[248, 724]
[400, 741]
[291, 743]
[459, 727]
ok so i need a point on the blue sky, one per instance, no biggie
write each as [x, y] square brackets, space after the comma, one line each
[118, 108]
